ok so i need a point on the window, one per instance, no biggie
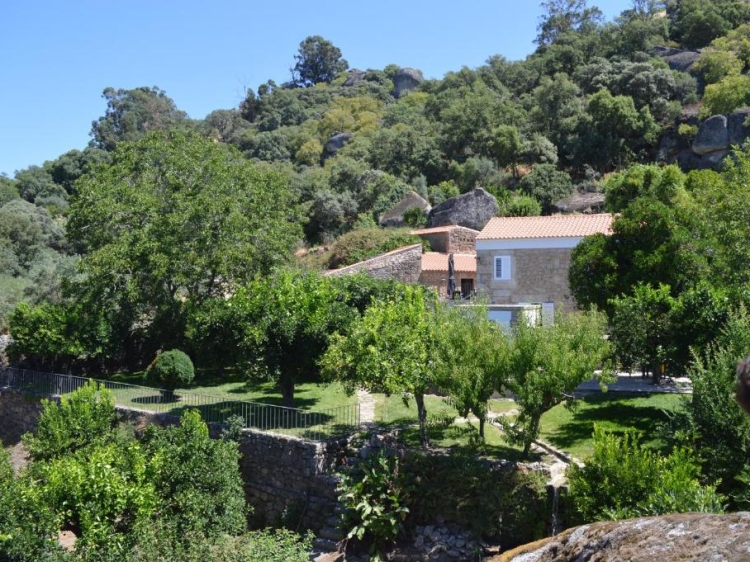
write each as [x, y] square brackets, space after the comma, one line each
[502, 268]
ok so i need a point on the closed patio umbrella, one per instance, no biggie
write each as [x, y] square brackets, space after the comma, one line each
[451, 276]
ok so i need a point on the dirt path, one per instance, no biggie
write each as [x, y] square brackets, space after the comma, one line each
[366, 406]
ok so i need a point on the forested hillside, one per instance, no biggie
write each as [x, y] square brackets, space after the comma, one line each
[162, 212]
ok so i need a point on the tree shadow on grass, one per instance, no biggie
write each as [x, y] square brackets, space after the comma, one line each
[614, 412]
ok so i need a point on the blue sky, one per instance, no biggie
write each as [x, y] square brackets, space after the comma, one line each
[56, 56]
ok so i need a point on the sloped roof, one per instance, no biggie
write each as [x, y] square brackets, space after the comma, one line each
[436, 261]
[555, 226]
[440, 229]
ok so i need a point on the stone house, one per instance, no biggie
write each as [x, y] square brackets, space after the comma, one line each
[526, 259]
[435, 273]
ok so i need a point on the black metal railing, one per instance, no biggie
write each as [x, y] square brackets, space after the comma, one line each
[318, 425]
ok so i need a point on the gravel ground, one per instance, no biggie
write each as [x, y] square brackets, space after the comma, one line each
[634, 382]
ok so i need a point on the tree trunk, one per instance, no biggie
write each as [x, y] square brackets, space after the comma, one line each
[529, 439]
[422, 415]
[287, 391]
[481, 426]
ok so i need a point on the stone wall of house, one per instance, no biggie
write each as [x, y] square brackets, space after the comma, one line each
[438, 280]
[462, 241]
[403, 264]
[459, 240]
[539, 275]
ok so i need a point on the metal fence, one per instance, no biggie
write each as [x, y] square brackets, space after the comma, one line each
[312, 425]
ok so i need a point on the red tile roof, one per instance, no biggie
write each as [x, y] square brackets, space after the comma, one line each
[555, 226]
[435, 261]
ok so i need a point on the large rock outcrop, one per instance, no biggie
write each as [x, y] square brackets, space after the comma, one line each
[405, 80]
[677, 59]
[682, 537]
[472, 210]
[395, 217]
[712, 135]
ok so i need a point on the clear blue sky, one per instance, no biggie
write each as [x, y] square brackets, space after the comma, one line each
[56, 56]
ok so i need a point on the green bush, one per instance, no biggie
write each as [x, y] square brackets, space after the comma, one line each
[623, 480]
[83, 417]
[373, 495]
[359, 245]
[171, 369]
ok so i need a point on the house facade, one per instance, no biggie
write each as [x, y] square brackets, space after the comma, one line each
[526, 259]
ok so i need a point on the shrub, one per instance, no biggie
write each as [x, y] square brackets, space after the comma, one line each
[373, 495]
[623, 480]
[362, 244]
[171, 369]
[83, 417]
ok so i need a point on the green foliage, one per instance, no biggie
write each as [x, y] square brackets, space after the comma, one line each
[415, 218]
[373, 495]
[470, 354]
[546, 184]
[195, 478]
[359, 245]
[131, 114]
[317, 60]
[546, 363]
[389, 349]
[521, 206]
[715, 426]
[171, 369]
[175, 218]
[695, 23]
[726, 95]
[83, 417]
[485, 499]
[623, 480]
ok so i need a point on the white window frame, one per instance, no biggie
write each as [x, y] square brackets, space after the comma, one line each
[506, 271]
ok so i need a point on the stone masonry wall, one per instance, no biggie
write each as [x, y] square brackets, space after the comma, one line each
[404, 264]
[536, 276]
[462, 241]
[19, 414]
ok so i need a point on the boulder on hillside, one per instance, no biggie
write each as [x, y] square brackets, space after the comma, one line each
[405, 80]
[336, 143]
[677, 59]
[580, 203]
[395, 217]
[712, 135]
[680, 537]
[472, 210]
[354, 77]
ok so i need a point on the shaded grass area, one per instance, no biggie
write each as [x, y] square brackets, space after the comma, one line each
[442, 428]
[571, 430]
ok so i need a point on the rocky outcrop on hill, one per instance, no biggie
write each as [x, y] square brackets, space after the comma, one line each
[472, 210]
[677, 59]
[336, 143]
[580, 203]
[682, 537]
[395, 217]
[405, 80]
[354, 77]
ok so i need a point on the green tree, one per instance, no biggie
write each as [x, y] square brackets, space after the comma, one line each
[470, 356]
[546, 184]
[175, 218]
[546, 363]
[562, 16]
[318, 60]
[390, 349]
[133, 113]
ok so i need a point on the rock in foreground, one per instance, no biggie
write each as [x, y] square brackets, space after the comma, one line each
[671, 538]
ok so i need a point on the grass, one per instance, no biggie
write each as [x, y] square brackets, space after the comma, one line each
[571, 430]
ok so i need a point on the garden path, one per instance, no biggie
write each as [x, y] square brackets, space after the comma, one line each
[366, 406]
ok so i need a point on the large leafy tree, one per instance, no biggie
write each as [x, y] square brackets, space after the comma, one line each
[318, 60]
[563, 16]
[133, 113]
[176, 218]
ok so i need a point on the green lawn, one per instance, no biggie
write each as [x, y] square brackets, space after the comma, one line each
[571, 430]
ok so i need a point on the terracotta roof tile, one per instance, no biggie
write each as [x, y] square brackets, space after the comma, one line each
[556, 226]
[435, 261]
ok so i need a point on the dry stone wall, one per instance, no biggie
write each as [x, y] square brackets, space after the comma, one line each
[19, 414]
